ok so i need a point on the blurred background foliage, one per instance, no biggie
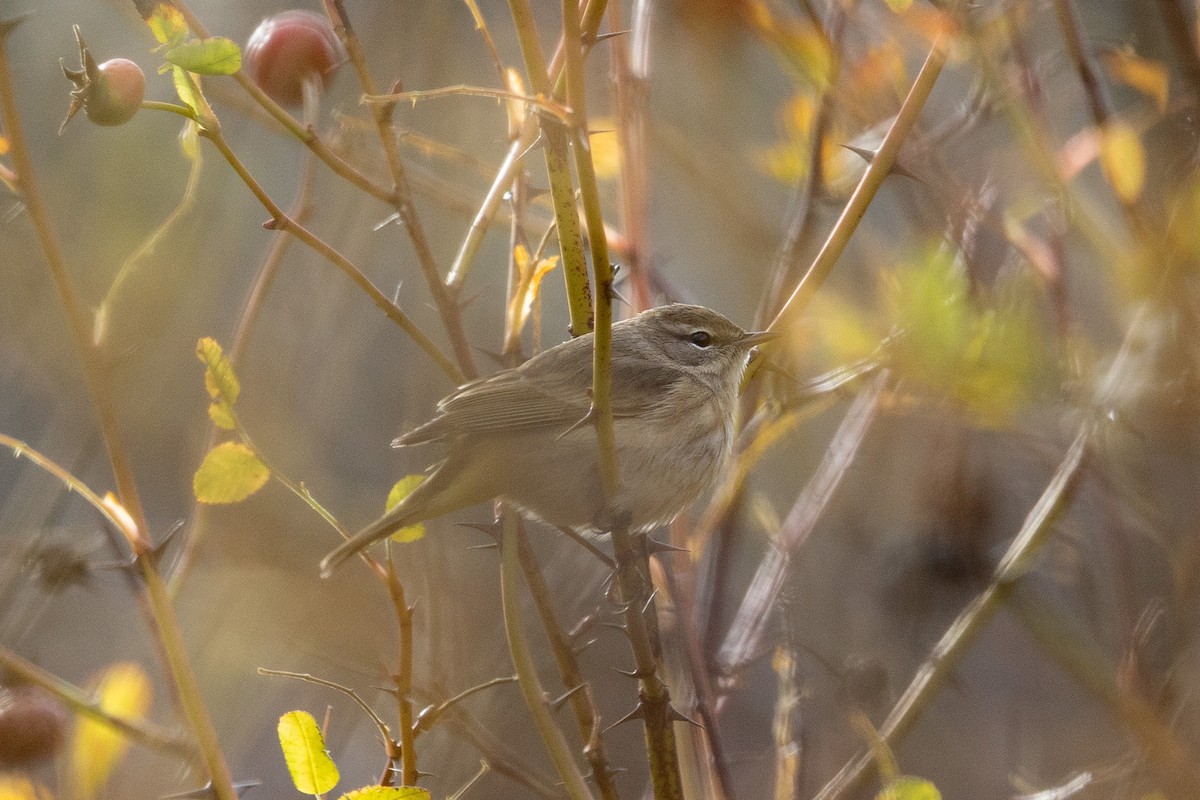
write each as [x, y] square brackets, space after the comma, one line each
[1029, 267]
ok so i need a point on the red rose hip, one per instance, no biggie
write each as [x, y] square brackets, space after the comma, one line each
[290, 48]
[117, 94]
[109, 93]
[32, 725]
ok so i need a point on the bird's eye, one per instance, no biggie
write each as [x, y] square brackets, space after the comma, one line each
[700, 338]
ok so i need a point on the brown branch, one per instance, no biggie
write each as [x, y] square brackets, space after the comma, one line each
[447, 305]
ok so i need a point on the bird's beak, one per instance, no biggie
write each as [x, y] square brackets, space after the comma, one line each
[759, 337]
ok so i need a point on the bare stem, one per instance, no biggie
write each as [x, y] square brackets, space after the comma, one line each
[83, 704]
[654, 697]
[156, 598]
[518, 645]
[404, 673]
[1097, 95]
[558, 169]
[630, 78]
[281, 221]
[518, 148]
[583, 703]
[447, 305]
[864, 193]
[304, 133]
[962, 634]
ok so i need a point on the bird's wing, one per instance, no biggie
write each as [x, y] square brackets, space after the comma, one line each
[505, 401]
[539, 396]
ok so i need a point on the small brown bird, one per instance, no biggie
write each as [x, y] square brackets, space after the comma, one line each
[516, 435]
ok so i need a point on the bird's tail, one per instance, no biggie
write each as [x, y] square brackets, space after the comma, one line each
[400, 516]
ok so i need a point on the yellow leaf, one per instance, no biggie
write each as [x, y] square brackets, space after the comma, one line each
[880, 72]
[123, 691]
[230, 473]
[847, 332]
[797, 116]
[4, 145]
[784, 161]
[906, 787]
[311, 768]
[1123, 159]
[167, 24]
[899, 6]
[17, 787]
[387, 793]
[189, 140]
[529, 279]
[605, 147]
[403, 488]
[807, 50]
[759, 14]
[222, 415]
[1151, 78]
[801, 47]
[219, 378]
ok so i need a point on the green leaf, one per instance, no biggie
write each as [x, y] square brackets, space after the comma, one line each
[231, 472]
[312, 770]
[403, 488]
[906, 787]
[188, 89]
[213, 56]
[387, 793]
[167, 24]
[980, 348]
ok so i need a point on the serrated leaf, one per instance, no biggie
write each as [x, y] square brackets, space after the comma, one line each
[1123, 159]
[123, 690]
[167, 24]
[906, 787]
[230, 473]
[222, 415]
[216, 55]
[219, 377]
[387, 793]
[311, 768]
[403, 488]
